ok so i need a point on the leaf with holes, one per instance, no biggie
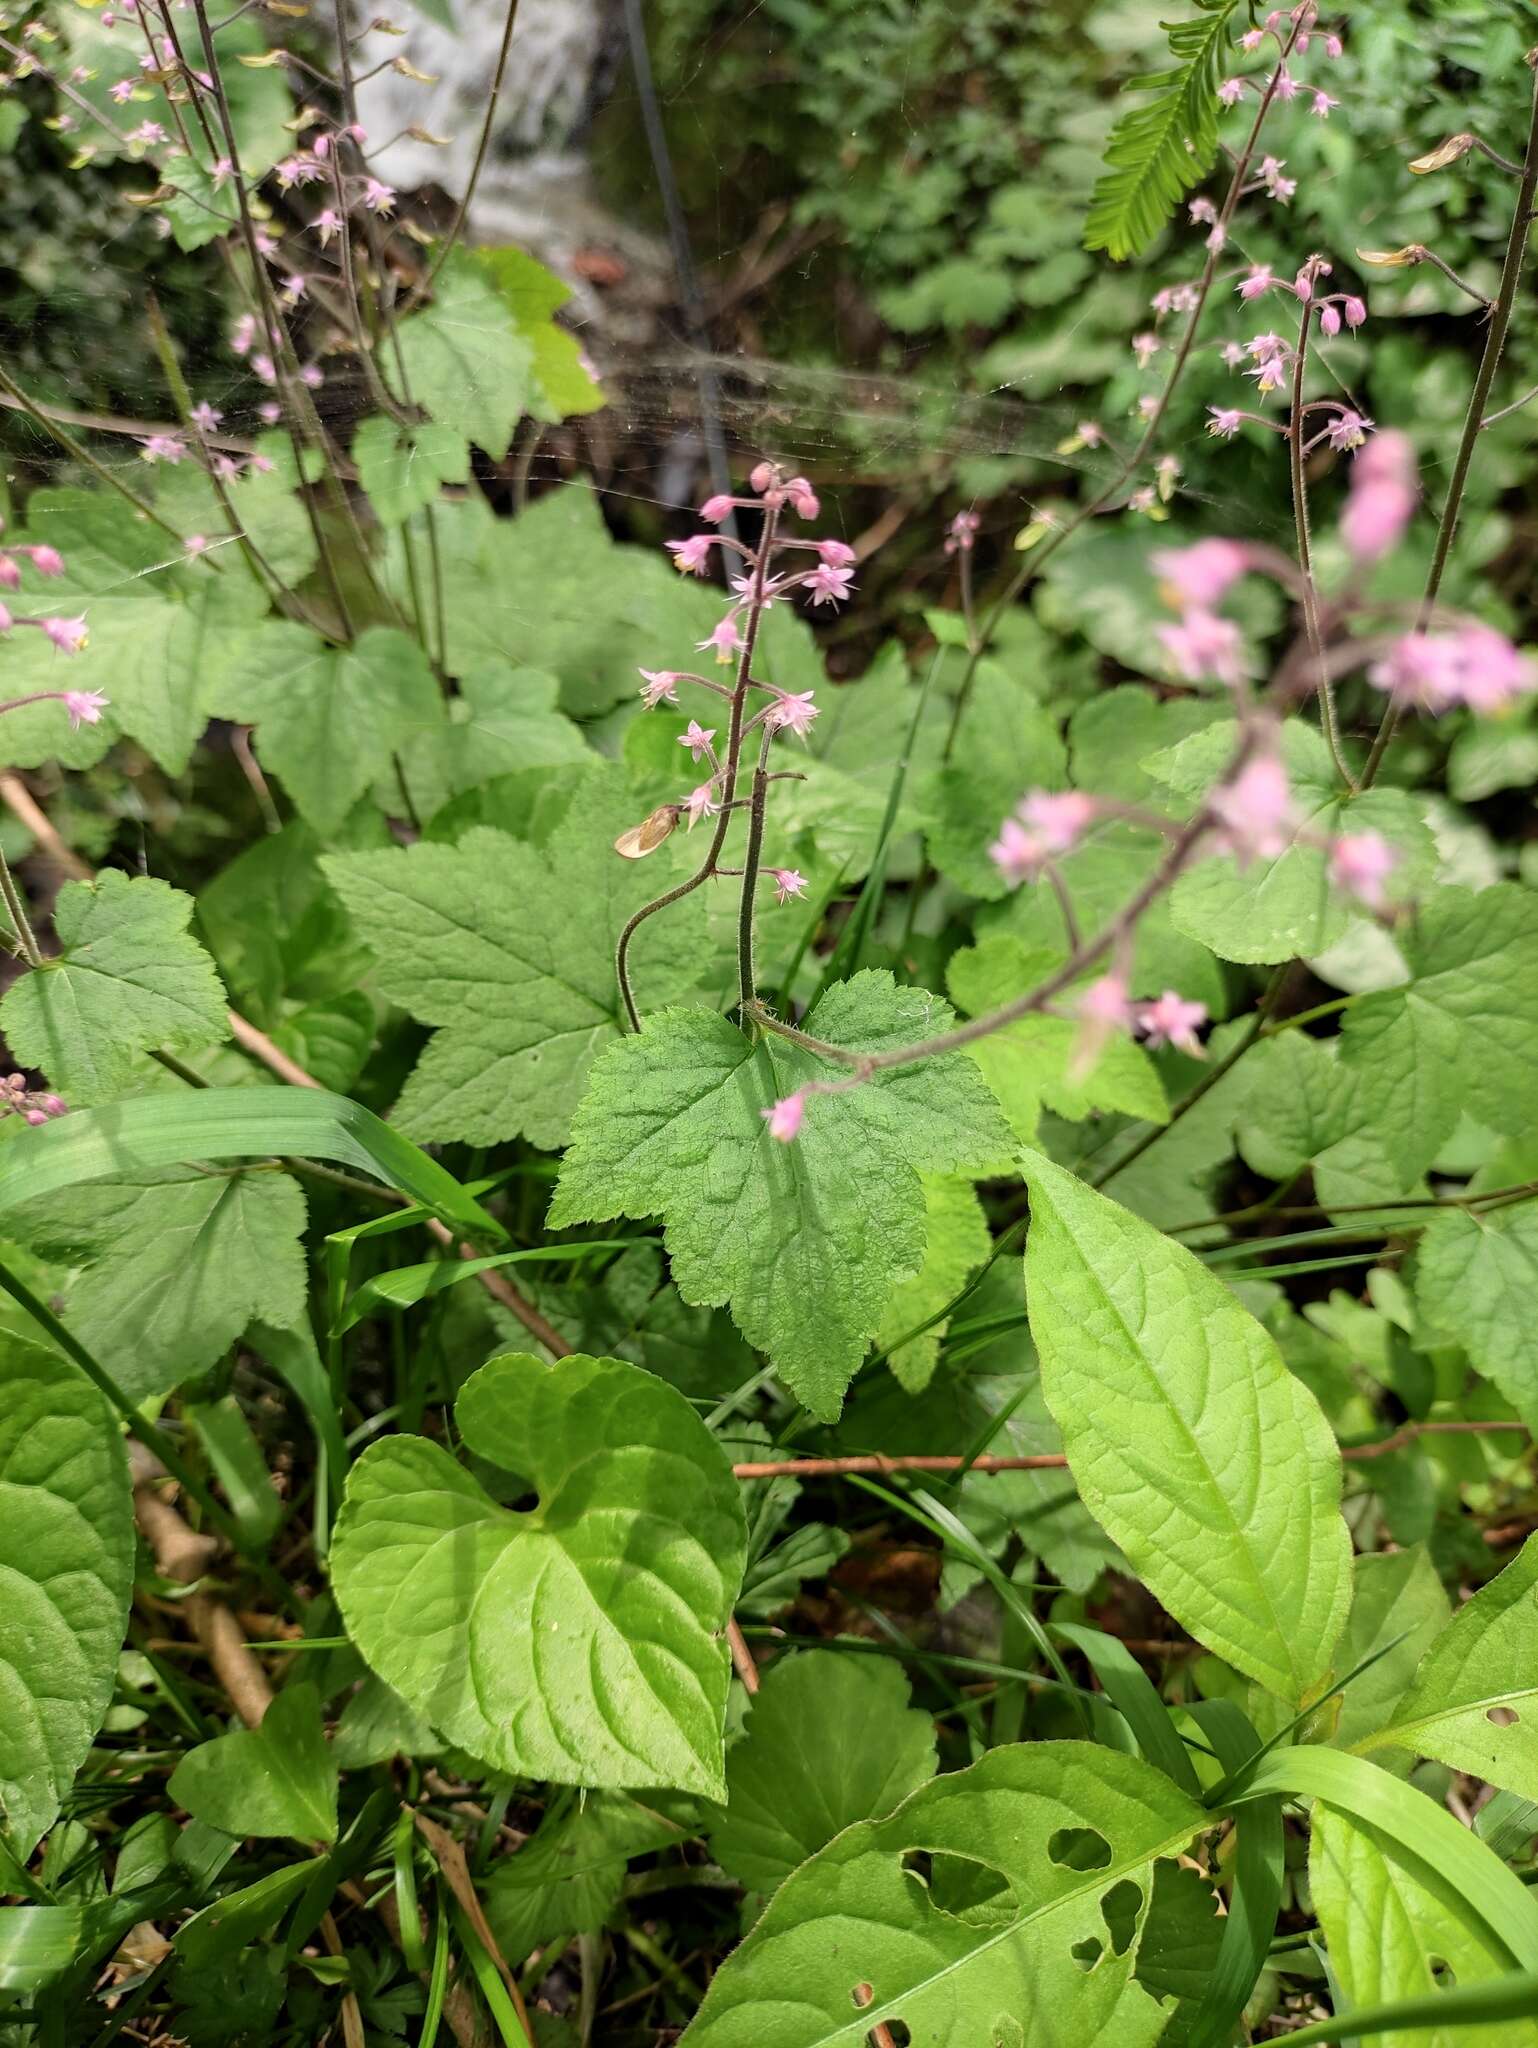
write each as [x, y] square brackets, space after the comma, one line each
[1473, 1702]
[805, 1242]
[66, 1564]
[174, 1265]
[1011, 1895]
[581, 1638]
[1191, 1443]
[509, 949]
[831, 1740]
[130, 978]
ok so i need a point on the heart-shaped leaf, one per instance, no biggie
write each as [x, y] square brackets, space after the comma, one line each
[278, 1779]
[581, 1639]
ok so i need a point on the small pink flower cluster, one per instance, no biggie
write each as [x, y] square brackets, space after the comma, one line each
[961, 534]
[45, 560]
[1106, 1007]
[16, 1099]
[1045, 824]
[1279, 24]
[1382, 499]
[68, 635]
[1202, 645]
[1473, 666]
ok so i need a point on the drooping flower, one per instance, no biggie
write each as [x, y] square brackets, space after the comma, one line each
[1231, 91]
[804, 501]
[205, 417]
[1286, 85]
[697, 739]
[1201, 212]
[1059, 818]
[312, 376]
[1259, 280]
[1195, 578]
[1171, 1020]
[47, 561]
[1382, 499]
[660, 687]
[264, 369]
[691, 557]
[829, 586]
[163, 448]
[1329, 319]
[1102, 1011]
[123, 90]
[1145, 347]
[1203, 646]
[788, 882]
[1255, 811]
[327, 222]
[243, 334]
[717, 508]
[1323, 104]
[10, 573]
[1018, 854]
[784, 1119]
[1355, 311]
[701, 803]
[1224, 421]
[792, 713]
[6, 619]
[85, 707]
[836, 554]
[1348, 429]
[1361, 863]
[723, 639]
[147, 134]
[68, 635]
[377, 196]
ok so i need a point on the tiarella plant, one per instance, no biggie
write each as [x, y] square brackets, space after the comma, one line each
[784, 1359]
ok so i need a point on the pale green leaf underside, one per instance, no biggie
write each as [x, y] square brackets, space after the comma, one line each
[989, 1939]
[583, 1640]
[1192, 1445]
[806, 1242]
[1485, 1664]
[66, 1571]
[130, 977]
[831, 1740]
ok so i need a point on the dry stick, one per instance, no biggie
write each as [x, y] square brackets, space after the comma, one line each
[881, 1466]
[1474, 418]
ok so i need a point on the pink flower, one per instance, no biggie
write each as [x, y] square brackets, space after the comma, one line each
[784, 1119]
[1329, 319]
[792, 713]
[803, 499]
[377, 196]
[1361, 863]
[260, 465]
[701, 803]
[164, 448]
[1102, 1010]
[763, 476]
[716, 508]
[1145, 347]
[1382, 499]
[724, 639]
[1333, 46]
[1252, 39]
[1204, 645]
[243, 334]
[147, 133]
[1018, 855]
[1201, 212]
[264, 369]
[312, 376]
[85, 707]
[68, 635]
[787, 883]
[123, 90]
[745, 586]
[6, 619]
[1348, 429]
[1172, 1021]
[47, 561]
[205, 417]
[196, 544]
[1323, 104]
[660, 687]
[1286, 84]
[224, 167]
[10, 574]
[835, 554]
[1255, 811]
[1417, 673]
[295, 287]
[1356, 312]
[1231, 91]
[691, 556]
[1224, 421]
[1259, 280]
[1195, 578]
[327, 222]
[269, 414]
[829, 586]
[697, 739]
[1059, 819]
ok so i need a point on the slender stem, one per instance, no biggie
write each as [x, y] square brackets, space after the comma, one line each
[747, 909]
[1492, 1198]
[1506, 411]
[18, 912]
[1473, 420]
[1298, 466]
[83, 455]
[466, 198]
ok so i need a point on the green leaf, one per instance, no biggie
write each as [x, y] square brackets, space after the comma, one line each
[136, 1137]
[1473, 1703]
[1159, 150]
[329, 718]
[509, 948]
[241, 1916]
[1395, 1927]
[404, 1286]
[66, 1563]
[1303, 1107]
[1191, 1443]
[956, 1241]
[1007, 742]
[503, 720]
[1514, 1997]
[806, 1241]
[1005, 1896]
[1029, 1065]
[1179, 1948]
[1398, 1596]
[1276, 908]
[177, 1264]
[38, 1944]
[130, 977]
[403, 467]
[567, 1880]
[561, 384]
[463, 359]
[278, 1778]
[376, 1725]
[1462, 1033]
[831, 1740]
[581, 1639]
[1476, 1285]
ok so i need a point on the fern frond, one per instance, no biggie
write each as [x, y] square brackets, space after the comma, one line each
[1158, 151]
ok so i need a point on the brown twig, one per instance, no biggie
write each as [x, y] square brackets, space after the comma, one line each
[742, 1657]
